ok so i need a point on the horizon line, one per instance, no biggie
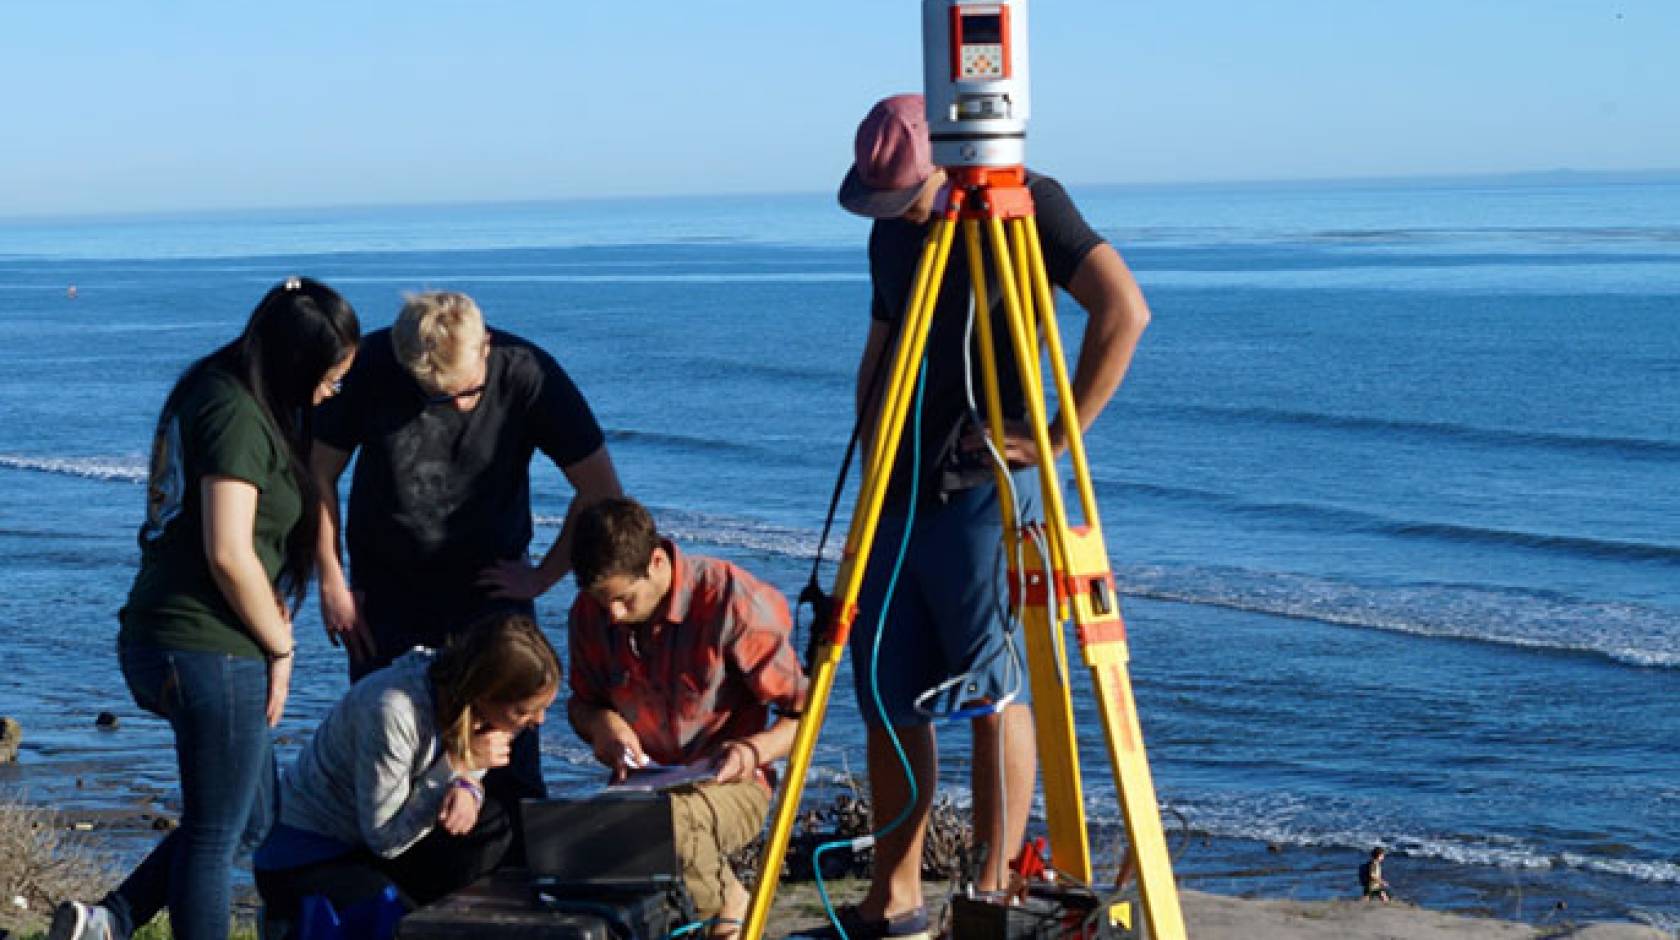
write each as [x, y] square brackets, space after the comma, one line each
[1531, 177]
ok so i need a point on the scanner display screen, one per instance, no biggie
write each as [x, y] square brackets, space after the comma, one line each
[984, 28]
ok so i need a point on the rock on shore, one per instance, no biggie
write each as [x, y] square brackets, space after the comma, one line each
[11, 738]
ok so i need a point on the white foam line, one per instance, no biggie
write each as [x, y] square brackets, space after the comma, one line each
[1648, 646]
[1282, 822]
[1630, 656]
[110, 469]
[726, 532]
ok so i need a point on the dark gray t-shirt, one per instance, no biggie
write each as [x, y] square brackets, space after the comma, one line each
[894, 249]
[439, 493]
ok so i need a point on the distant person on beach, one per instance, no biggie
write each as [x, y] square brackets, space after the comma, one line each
[1371, 883]
[389, 792]
[944, 620]
[447, 415]
[681, 659]
[226, 553]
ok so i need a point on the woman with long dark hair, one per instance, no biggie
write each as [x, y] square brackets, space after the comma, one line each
[388, 793]
[226, 554]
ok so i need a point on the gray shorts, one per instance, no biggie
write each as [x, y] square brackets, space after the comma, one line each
[948, 609]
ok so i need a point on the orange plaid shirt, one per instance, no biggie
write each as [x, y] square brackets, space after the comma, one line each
[708, 668]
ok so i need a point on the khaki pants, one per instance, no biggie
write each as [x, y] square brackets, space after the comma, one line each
[712, 820]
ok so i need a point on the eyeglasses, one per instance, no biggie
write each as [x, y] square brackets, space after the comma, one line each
[447, 397]
[444, 398]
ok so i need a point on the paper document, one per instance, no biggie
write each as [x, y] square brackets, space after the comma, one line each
[654, 776]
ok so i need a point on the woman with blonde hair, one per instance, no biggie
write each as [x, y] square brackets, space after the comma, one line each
[388, 791]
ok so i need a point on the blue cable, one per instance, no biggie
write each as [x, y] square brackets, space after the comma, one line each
[822, 889]
[875, 662]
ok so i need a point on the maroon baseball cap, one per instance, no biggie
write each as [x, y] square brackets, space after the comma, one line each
[893, 159]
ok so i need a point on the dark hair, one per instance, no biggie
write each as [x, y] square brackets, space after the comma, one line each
[503, 657]
[615, 536]
[1378, 852]
[299, 330]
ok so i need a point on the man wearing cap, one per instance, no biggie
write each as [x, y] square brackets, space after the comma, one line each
[943, 620]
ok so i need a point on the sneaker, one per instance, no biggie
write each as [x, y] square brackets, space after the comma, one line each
[74, 920]
[910, 925]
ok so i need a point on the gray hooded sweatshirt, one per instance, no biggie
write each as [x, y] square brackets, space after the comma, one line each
[374, 772]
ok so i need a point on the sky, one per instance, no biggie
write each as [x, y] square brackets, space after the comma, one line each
[180, 105]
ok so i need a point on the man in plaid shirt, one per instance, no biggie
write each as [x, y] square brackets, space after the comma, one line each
[681, 659]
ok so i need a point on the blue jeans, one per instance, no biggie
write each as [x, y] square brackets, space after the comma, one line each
[215, 703]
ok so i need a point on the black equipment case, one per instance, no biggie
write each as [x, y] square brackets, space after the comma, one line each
[600, 869]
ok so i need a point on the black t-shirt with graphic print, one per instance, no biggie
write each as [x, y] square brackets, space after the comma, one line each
[438, 493]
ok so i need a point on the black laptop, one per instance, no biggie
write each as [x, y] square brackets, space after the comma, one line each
[612, 841]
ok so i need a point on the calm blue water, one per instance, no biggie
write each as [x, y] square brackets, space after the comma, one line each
[1393, 490]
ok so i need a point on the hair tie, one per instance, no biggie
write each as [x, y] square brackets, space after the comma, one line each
[470, 785]
[292, 283]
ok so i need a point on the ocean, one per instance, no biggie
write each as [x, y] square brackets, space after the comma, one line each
[1392, 492]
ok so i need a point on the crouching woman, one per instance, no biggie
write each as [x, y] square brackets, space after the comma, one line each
[388, 792]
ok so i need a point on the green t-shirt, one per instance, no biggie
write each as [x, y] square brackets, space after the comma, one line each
[215, 427]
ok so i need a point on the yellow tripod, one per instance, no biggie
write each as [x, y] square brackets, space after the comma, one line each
[1073, 583]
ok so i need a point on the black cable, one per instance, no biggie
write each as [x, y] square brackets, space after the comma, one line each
[820, 601]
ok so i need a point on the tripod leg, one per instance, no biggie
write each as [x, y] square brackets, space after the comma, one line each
[989, 373]
[1065, 830]
[1071, 428]
[907, 354]
[1053, 720]
[1138, 802]
[896, 401]
[1089, 583]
